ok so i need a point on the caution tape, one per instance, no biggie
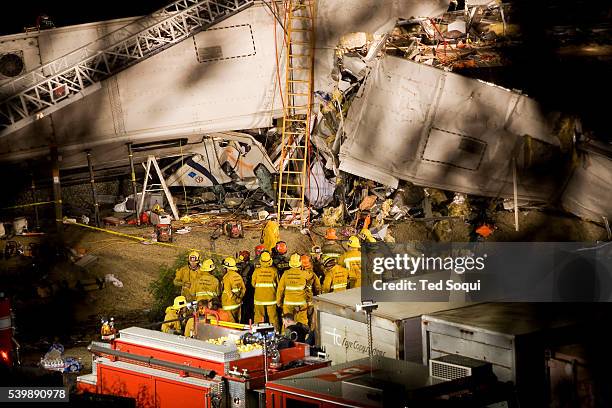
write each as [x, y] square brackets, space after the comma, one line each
[121, 234]
[32, 204]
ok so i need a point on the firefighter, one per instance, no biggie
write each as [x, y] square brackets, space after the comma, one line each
[331, 248]
[186, 276]
[279, 258]
[317, 262]
[366, 235]
[294, 329]
[292, 293]
[351, 259]
[245, 268]
[206, 286]
[258, 251]
[265, 282]
[269, 235]
[214, 304]
[173, 314]
[336, 277]
[233, 289]
[200, 310]
[313, 288]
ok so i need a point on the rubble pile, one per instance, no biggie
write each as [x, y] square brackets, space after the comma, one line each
[469, 38]
[399, 136]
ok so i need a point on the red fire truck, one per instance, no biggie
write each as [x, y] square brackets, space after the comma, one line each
[166, 370]
[8, 345]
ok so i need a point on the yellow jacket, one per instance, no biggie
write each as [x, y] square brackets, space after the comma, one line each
[313, 285]
[337, 279]
[270, 235]
[206, 286]
[292, 288]
[171, 314]
[233, 290]
[184, 278]
[265, 282]
[351, 260]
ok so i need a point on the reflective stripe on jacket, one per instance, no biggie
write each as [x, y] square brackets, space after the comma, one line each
[292, 287]
[265, 281]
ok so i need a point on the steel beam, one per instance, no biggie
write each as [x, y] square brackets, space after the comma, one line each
[57, 193]
[94, 194]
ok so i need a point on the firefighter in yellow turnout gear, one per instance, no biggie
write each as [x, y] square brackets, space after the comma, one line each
[351, 260]
[270, 235]
[233, 289]
[265, 282]
[292, 294]
[206, 286]
[172, 315]
[186, 276]
[336, 277]
[313, 288]
[331, 248]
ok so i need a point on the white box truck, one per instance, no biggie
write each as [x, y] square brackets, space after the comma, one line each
[396, 327]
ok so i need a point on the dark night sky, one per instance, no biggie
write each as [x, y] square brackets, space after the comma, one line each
[62, 12]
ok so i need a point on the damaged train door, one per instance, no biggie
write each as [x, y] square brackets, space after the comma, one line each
[223, 158]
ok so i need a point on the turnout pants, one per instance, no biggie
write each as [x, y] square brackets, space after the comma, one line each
[272, 315]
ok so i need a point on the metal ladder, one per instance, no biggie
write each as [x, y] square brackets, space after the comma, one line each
[58, 83]
[299, 67]
[162, 182]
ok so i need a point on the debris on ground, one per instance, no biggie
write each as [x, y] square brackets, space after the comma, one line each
[109, 277]
[367, 203]
[464, 39]
[54, 360]
[459, 207]
[333, 216]
[114, 221]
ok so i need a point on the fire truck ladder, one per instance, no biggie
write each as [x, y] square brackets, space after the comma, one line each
[67, 79]
[299, 52]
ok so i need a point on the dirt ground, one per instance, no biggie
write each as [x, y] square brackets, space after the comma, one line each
[137, 264]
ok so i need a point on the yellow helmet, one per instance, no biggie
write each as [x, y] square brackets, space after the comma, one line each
[230, 263]
[295, 261]
[330, 262]
[207, 266]
[265, 259]
[179, 303]
[193, 256]
[353, 242]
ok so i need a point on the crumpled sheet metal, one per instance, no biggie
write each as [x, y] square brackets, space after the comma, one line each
[336, 18]
[589, 191]
[439, 129]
